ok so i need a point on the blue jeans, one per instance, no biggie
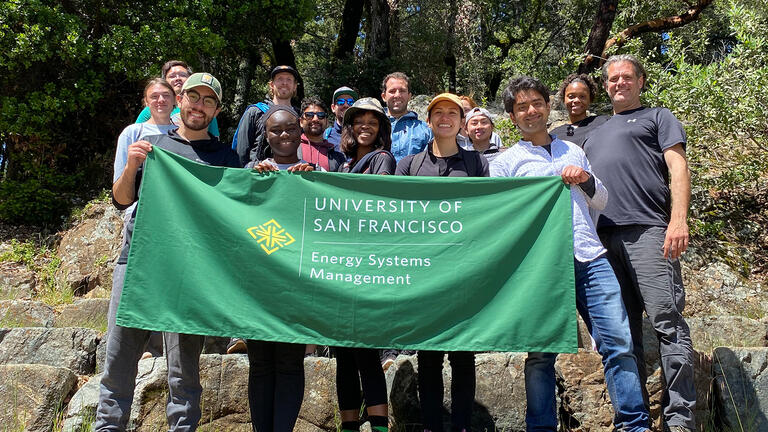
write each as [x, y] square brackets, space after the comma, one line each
[598, 299]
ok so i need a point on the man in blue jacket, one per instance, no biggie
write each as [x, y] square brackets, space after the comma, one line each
[409, 134]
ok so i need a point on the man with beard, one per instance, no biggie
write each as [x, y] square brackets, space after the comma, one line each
[409, 134]
[199, 102]
[314, 149]
[343, 98]
[249, 135]
[176, 72]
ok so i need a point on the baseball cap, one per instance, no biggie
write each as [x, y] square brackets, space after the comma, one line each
[450, 97]
[344, 90]
[477, 111]
[203, 79]
[284, 68]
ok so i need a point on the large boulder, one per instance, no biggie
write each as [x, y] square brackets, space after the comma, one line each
[32, 396]
[716, 289]
[81, 411]
[88, 250]
[89, 313]
[713, 331]
[73, 348]
[740, 388]
[17, 282]
[25, 313]
[499, 395]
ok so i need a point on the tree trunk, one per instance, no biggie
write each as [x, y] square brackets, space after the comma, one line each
[394, 25]
[350, 27]
[658, 25]
[450, 42]
[242, 87]
[379, 34]
[284, 56]
[606, 13]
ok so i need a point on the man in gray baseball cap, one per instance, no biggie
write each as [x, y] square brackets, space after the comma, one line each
[343, 98]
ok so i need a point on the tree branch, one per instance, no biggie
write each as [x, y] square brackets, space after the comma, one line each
[657, 25]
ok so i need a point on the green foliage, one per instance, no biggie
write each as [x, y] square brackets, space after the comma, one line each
[44, 263]
[724, 108]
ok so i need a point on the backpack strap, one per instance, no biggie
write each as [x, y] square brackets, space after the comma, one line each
[262, 106]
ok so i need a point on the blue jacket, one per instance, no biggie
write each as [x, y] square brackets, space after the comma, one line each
[409, 135]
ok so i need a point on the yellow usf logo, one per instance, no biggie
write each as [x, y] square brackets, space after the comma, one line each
[271, 236]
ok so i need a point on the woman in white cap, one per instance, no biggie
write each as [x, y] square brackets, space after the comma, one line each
[366, 140]
[445, 158]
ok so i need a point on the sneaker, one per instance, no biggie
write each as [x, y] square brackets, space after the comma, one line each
[237, 346]
[146, 355]
[388, 358]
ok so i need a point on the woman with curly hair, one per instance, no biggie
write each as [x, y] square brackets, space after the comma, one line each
[577, 92]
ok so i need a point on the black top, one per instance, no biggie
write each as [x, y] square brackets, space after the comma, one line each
[375, 162]
[627, 155]
[578, 132]
[464, 163]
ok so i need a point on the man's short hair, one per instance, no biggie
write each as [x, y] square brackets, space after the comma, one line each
[521, 84]
[309, 101]
[639, 69]
[171, 63]
[396, 75]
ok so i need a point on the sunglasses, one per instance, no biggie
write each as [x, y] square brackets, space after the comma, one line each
[342, 101]
[309, 114]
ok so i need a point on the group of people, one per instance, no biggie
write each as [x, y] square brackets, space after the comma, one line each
[629, 188]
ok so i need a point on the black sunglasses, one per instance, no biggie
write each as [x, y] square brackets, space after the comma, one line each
[309, 114]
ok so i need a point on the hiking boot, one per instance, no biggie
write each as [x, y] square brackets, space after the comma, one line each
[237, 346]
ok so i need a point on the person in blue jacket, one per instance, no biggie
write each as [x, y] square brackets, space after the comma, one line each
[409, 134]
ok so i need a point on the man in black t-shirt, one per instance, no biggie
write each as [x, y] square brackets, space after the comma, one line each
[199, 102]
[639, 154]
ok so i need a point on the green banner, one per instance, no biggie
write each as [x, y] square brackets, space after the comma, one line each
[437, 263]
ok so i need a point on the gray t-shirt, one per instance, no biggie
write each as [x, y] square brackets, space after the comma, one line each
[627, 154]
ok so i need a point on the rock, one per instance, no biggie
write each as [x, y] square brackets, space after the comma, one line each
[73, 348]
[713, 331]
[716, 289]
[101, 354]
[88, 250]
[17, 282]
[318, 411]
[499, 395]
[31, 396]
[25, 313]
[81, 410]
[584, 401]
[740, 388]
[88, 313]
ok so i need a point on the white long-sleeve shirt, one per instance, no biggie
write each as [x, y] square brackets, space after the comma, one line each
[528, 160]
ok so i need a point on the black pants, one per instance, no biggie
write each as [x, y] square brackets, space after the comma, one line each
[275, 384]
[356, 366]
[430, 380]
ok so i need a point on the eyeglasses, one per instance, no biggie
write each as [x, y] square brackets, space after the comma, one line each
[342, 101]
[177, 75]
[208, 101]
[309, 114]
